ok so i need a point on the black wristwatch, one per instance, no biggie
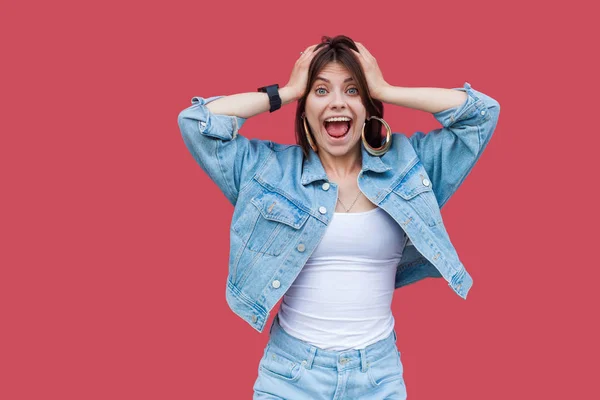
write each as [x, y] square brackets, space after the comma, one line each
[274, 99]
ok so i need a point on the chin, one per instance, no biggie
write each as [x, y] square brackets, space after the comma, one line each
[341, 149]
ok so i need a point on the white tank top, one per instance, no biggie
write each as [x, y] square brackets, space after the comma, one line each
[342, 297]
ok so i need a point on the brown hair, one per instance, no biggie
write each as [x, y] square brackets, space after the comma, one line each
[337, 49]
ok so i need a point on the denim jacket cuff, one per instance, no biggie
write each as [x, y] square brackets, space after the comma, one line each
[473, 109]
[224, 127]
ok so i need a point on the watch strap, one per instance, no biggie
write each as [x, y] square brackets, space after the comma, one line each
[273, 93]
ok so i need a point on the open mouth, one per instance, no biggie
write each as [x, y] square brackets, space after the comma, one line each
[338, 127]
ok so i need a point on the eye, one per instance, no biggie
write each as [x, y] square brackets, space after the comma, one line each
[321, 90]
[353, 90]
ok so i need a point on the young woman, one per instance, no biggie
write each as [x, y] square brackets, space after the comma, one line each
[336, 223]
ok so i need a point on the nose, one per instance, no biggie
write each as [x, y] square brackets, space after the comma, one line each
[338, 100]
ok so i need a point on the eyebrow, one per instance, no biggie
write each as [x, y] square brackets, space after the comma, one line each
[327, 80]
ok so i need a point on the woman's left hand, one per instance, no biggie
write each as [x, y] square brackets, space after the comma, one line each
[373, 74]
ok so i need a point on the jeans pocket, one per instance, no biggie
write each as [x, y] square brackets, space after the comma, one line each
[386, 369]
[279, 365]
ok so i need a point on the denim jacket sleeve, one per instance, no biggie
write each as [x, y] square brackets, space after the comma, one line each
[449, 153]
[214, 141]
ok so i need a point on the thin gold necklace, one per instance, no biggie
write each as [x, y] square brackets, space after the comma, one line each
[352, 205]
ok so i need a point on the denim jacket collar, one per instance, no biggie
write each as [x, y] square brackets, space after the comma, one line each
[372, 163]
[313, 170]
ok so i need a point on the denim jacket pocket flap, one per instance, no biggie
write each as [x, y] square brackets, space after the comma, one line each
[414, 182]
[276, 207]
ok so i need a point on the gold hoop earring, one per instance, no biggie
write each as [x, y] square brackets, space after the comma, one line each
[310, 141]
[378, 151]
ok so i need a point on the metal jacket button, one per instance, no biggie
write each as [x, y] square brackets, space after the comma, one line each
[276, 283]
[426, 182]
[322, 210]
[301, 247]
[326, 186]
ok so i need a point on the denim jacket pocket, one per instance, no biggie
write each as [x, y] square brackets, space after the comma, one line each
[416, 189]
[269, 223]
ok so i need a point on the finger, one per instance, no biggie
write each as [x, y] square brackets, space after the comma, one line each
[363, 49]
[306, 51]
[310, 49]
[356, 53]
[360, 58]
[313, 52]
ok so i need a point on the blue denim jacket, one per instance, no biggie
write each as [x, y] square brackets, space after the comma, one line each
[282, 205]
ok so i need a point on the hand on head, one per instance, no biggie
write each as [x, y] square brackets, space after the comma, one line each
[299, 77]
[372, 72]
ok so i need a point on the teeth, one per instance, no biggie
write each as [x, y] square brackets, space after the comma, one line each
[337, 119]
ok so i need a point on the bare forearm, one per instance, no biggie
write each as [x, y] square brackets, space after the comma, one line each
[246, 105]
[428, 99]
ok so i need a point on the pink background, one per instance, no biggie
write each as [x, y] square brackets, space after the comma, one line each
[114, 243]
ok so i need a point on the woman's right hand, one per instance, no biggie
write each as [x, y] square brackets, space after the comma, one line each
[246, 105]
[299, 77]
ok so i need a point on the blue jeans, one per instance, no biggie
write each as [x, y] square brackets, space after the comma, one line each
[293, 369]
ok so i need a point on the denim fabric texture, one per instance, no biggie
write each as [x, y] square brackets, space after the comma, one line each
[292, 369]
[282, 207]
